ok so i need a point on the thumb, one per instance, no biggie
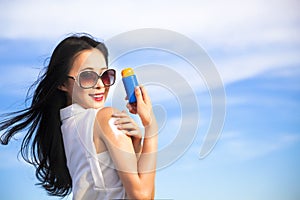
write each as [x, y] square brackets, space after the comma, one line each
[138, 94]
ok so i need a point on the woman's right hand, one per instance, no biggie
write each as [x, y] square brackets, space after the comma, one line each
[143, 106]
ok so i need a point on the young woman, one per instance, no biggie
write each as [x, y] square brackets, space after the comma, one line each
[77, 144]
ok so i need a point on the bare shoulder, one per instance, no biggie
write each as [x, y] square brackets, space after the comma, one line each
[104, 119]
[106, 113]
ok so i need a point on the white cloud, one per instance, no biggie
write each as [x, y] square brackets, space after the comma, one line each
[16, 80]
[239, 146]
[230, 26]
[252, 64]
[220, 22]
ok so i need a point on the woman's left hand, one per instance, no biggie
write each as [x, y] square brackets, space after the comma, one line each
[129, 127]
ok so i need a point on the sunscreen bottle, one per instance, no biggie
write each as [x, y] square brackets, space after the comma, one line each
[130, 82]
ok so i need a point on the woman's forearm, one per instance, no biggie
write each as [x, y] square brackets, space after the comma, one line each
[149, 149]
[142, 186]
[137, 147]
[148, 157]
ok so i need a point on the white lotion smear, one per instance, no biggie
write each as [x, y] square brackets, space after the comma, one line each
[113, 127]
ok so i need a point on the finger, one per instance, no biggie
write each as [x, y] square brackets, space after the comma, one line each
[133, 112]
[145, 95]
[121, 121]
[131, 106]
[138, 95]
[124, 131]
[134, 133]
[124, 120]
[126, 98]
[120, 114]
[132, 109]
[128, 127]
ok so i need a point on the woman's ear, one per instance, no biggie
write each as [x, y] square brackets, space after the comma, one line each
[63, 87]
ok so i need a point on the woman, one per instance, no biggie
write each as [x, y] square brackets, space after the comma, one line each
[74, 141]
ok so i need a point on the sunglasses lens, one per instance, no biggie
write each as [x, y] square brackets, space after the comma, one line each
[108, 77]
[88, 79]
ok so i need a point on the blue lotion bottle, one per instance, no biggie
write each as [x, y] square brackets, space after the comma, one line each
[130, 82]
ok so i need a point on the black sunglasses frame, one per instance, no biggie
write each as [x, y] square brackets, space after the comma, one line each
[76, 78]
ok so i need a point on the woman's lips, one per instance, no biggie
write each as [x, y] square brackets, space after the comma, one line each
[97, 96]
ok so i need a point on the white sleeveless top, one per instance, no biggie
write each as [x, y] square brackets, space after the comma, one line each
[93, 175]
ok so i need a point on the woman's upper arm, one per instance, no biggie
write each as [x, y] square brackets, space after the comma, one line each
[120, 149]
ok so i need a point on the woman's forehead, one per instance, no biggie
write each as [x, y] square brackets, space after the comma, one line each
[89, 59]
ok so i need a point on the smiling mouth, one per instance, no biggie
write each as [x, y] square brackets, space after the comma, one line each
[97, 96]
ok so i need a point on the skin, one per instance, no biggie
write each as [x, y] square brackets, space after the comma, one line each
[92, 60]
[137, 175]
[135, 162]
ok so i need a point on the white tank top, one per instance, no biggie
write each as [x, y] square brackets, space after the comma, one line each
[93, 175]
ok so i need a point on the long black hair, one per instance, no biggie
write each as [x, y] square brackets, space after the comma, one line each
[42, 145]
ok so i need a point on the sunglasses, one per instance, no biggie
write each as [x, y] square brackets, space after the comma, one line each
[88, 79]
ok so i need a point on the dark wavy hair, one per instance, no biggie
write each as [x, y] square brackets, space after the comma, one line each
[42, 145]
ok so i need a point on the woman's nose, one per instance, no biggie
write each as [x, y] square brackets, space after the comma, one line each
[99, 84]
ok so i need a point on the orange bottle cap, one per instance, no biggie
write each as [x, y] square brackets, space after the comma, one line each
[127, 72]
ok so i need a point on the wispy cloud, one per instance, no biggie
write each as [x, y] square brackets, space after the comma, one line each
[252, 64]
[15, 80]
[231, 22]
[230, 26]
[197, 17]
[237, 145]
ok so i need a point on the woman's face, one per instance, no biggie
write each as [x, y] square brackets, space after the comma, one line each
[87, 60]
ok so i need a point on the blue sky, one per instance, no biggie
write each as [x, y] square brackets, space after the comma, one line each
[255, 47]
